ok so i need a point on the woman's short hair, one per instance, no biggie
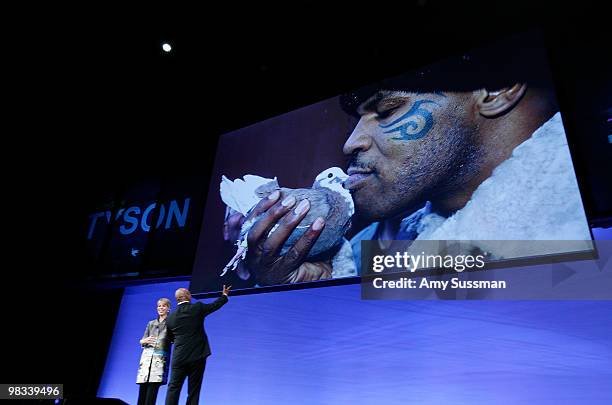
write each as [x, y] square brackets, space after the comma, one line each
[165, 301]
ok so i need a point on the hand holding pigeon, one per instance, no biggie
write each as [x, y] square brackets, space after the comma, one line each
[288, 226]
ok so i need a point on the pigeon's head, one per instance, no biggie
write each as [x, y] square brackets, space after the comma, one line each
[330, 178]
[333, 178]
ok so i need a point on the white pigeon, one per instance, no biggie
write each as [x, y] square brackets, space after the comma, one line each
[328, 199]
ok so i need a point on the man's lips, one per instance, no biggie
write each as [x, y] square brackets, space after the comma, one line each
[357, 177]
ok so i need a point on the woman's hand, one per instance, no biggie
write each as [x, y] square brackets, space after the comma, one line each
[148, 340]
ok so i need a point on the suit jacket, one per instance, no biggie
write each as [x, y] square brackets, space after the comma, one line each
[185, 326]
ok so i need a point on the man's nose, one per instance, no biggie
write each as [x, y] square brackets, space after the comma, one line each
[359, 141]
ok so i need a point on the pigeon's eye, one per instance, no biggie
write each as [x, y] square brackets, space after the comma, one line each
[330, 175]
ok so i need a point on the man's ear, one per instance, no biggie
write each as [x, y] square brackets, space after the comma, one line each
[493, 103]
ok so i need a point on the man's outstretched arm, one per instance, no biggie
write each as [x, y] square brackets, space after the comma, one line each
[218, 303]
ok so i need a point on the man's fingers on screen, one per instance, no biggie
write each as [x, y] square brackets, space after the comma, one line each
[298, 252]
[286, 226]
[264, 204]
[262, 227]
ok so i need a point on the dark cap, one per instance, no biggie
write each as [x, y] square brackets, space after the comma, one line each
[518, 59]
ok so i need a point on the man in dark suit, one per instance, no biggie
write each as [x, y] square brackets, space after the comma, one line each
[186, 327]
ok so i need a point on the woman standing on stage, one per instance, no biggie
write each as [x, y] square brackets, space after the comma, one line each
[153, 370]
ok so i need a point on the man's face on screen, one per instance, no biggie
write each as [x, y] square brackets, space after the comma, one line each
[408, 148]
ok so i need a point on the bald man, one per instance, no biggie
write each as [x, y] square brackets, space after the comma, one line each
[186, 327]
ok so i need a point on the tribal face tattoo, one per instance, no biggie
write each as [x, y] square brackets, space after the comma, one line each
[413, 124]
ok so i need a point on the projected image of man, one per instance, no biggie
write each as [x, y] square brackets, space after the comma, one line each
[472, 148]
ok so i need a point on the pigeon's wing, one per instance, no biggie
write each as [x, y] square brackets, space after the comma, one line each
[228, 194]
[319, 207]
[241, 194]
[331, 206]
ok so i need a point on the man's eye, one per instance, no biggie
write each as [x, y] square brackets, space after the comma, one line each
[385, 114]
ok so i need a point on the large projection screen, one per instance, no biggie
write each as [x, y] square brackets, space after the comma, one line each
[470, 148]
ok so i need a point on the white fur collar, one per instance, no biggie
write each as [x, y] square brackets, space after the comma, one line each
[533, 195]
